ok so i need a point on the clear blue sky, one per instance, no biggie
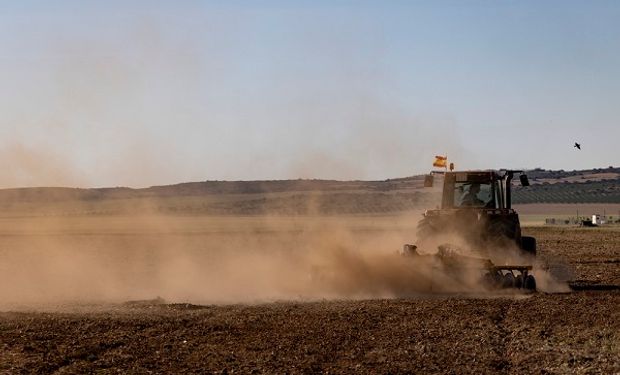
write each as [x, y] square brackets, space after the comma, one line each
[139, 93]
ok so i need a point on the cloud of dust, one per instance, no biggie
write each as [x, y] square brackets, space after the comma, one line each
[212, 260]
[552, 277]
[22, 165]
[200, 259]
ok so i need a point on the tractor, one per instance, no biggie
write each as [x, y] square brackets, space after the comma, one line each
[477, 205]
[476, 208]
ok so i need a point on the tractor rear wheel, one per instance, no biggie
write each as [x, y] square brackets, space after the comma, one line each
[501, 231]
[528, 244]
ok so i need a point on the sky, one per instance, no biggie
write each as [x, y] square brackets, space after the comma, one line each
[141, 93]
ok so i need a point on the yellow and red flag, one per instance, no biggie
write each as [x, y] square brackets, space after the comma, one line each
[440, 161]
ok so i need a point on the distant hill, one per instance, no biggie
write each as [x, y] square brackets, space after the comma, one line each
[45, 194]
[282, 197]
[585, 186]
[290, 197]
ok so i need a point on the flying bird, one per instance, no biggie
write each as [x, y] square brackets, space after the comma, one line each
[577, 145]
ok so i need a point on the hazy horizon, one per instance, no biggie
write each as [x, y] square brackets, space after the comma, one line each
[154, 93]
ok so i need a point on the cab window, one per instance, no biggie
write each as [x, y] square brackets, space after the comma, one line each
[469, 194]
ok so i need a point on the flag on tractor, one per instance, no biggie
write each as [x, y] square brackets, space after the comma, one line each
[440, 161]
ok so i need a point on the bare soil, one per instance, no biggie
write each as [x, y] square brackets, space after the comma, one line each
[592, 254]
[576, 332]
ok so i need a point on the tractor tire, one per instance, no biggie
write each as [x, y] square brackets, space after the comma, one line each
[528, 245]
[530, 283]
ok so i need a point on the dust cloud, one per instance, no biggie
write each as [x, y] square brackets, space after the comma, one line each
[187, 259]
[215, 260]
[25, 165]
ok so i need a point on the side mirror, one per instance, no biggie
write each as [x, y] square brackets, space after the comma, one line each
[524, 180]
[428, 180]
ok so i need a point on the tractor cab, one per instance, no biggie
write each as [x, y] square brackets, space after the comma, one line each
[476, 204]
[478, 189]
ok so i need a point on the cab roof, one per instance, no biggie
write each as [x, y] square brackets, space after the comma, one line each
[475, 176]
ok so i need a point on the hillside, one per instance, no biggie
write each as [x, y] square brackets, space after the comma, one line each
[281, 197]
[291, 197]
[585, 186]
